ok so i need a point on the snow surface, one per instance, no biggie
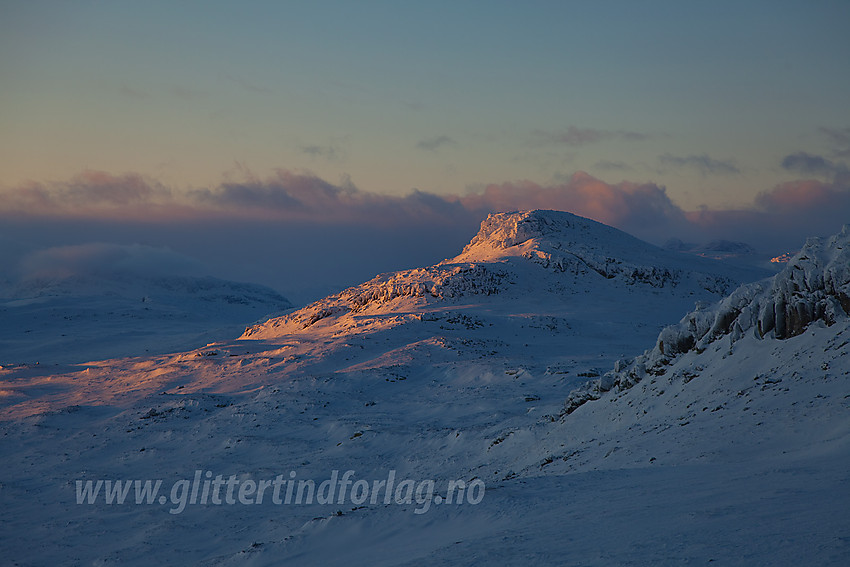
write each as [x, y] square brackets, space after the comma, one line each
[734, 451]
[78, 318]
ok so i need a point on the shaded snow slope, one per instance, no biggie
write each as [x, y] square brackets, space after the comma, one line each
[752, 392]
[813, 287]
[736, 454]
[81, 318]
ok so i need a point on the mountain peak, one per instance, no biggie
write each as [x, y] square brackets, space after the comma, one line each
[512, 228]
[566, 242]
[510, 234]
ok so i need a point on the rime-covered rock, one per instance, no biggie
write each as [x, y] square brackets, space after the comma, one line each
[813, 286]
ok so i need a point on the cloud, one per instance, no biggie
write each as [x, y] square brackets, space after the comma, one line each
[435, 143]
[806, 197]
[635, 207]
[330, 152]
[297, 232]
[705, 164]
[285, 192]
[840, 138]
[644, 209]
[306, 197]
[808, 164]
[780, 219]
[284, 195]
[248, 85]
[88, 191]
[609, 165]
[186, 93]
[574, 136]
[104, 260]
[133, 93]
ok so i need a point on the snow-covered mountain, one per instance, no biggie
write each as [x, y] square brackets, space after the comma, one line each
[78, 318]
[722, 248]
[730, 251]
[730, 446]
[549, 258]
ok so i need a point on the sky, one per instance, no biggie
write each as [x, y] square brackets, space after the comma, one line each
[389, 129]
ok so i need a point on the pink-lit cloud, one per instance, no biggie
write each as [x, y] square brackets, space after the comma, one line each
[307, 236]
[89, 192]
[790, 211]
[803, 195]
[626, 205]
[782, 217]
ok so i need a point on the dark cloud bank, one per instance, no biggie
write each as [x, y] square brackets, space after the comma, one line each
[306, 236]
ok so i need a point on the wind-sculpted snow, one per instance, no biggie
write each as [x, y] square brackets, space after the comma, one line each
[814, 286]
